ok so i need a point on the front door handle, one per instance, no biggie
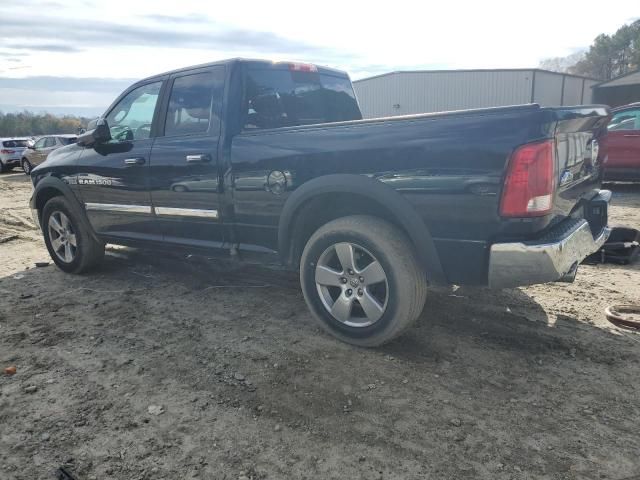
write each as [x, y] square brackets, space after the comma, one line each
[203, 157]
[631, 135]
[134, 161]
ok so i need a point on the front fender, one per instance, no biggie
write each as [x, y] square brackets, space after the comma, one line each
[377, 192]
[51, 186]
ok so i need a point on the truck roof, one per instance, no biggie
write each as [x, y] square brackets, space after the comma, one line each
[230, 61]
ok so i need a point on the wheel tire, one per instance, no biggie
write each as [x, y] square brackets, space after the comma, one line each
[2, 167]
[405, 287]
[88, 251]
[26, 166]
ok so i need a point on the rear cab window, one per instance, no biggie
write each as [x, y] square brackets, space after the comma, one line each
[195, 103]
[285, 95]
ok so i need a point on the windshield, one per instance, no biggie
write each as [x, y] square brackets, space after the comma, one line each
[278, 97]
[68, 140]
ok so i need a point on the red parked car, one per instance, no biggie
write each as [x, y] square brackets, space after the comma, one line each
[621, 144]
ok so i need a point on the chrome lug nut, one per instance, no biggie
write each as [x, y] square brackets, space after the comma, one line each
[351, 272]
[343, 280]
[361, 278]
[360, 292]
[349, 292]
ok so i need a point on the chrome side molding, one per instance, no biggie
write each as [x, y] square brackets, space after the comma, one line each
[148, 210]
[119, 208]
[186, 212]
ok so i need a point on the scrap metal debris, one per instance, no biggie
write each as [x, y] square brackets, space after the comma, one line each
[624, 315]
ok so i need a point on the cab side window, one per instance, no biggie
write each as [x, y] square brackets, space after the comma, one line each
[49, 142]
[627, 120]
[194, 103]
[132, 117]
[40, 143]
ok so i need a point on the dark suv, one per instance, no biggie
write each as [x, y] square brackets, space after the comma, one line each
[273, 160]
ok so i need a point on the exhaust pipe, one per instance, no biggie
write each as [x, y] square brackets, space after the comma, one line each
[570, 276]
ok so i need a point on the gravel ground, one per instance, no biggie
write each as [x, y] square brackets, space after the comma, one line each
[166, 367]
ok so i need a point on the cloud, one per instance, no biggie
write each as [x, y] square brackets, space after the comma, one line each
[67, 84]
[201, 34]
[185, 19]
[44, 47]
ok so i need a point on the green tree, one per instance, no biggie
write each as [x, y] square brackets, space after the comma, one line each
[26, 123]
[608, 57]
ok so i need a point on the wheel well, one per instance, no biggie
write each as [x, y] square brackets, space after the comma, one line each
[44, 196]
[324, 208]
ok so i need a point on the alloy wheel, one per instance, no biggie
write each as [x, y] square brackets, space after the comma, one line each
[352, 284]
[62, 237]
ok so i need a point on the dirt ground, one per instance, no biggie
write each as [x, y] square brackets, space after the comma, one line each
[515, 384]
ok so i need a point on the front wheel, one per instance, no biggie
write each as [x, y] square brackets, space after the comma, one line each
[70, 245]
[362, 280]
[26, 166]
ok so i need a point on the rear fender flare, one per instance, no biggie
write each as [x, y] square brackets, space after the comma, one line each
[377, 192]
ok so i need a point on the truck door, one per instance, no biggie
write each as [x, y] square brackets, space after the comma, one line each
[184, 169]
[113, 176]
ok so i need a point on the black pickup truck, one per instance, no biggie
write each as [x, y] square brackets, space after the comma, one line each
[273, 160]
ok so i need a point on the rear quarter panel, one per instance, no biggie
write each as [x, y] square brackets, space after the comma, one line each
[449, 167]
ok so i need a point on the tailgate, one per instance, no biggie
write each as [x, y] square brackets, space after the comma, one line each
[577, 131]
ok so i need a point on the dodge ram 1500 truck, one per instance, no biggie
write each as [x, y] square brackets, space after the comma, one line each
[274, 160]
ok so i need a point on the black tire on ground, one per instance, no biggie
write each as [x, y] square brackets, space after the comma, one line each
[87, 253]
[26, 166]
[2, 167]
[401, 295]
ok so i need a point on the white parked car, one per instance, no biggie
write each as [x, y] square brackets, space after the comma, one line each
[11, 152]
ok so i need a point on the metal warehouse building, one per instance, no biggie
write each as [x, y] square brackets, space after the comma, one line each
[402, 93]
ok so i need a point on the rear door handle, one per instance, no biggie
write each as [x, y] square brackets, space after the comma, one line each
[134, 161]
[203, 157]
[631, 135]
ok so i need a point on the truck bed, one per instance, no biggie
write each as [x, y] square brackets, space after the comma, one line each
[450, 166]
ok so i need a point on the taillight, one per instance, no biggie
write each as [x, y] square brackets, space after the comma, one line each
[530, 182]
[302, 67]
[7, 151]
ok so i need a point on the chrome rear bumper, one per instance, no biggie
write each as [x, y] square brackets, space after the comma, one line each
[547, 260]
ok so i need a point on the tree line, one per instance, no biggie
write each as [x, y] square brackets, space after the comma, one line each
[26, 124]
[609, 56]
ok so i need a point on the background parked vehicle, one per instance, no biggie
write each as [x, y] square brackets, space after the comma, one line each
[621, 144]
[11, 151]
[37, 153]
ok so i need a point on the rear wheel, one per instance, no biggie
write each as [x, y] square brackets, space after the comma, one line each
[2, 167]
[70, 245]
[362, 280]
[26, 166]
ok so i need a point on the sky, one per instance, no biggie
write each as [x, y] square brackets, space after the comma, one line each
[76, 56]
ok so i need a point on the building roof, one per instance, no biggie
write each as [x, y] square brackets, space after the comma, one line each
[476, 70]
[631, 78]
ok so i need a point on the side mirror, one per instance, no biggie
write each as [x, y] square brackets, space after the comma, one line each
[99, 134]
[91, 124]
[31, 146]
